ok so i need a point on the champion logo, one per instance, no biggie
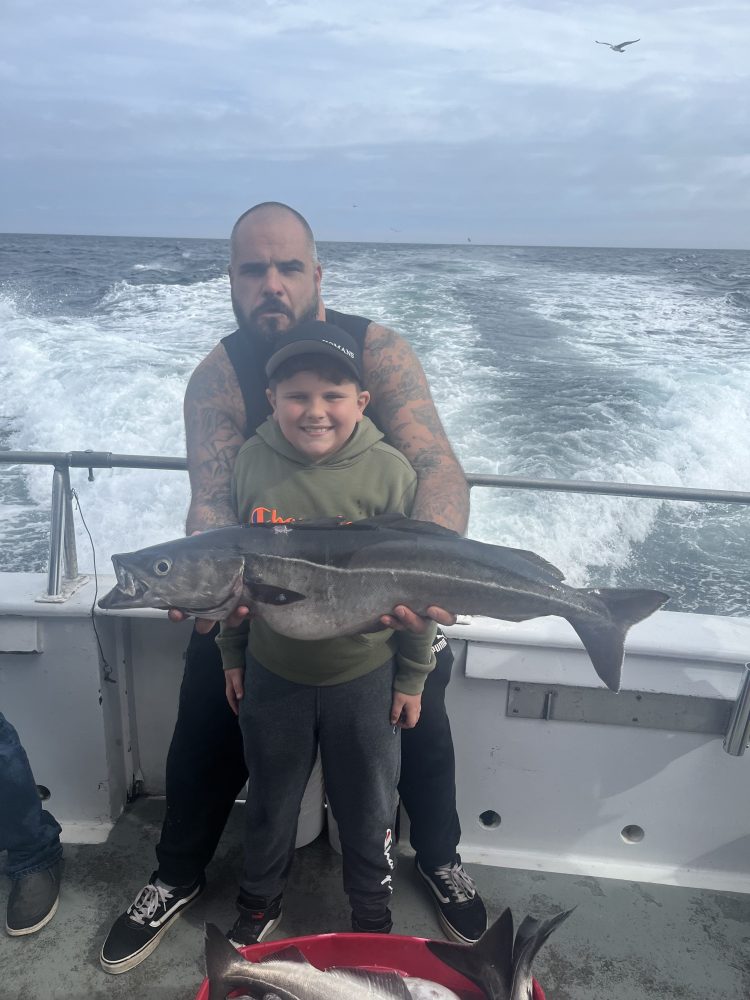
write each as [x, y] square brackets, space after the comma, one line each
[344, 350]
[387, 845]
[266, 515]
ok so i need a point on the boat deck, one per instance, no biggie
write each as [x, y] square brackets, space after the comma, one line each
[626, 940]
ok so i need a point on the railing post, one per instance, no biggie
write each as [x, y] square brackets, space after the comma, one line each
[738, 731]
[56, 530]
[69, 551]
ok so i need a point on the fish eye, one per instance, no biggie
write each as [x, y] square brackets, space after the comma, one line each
[162, 566]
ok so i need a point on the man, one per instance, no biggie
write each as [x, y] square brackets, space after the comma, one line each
[275, 281]
[31, 836]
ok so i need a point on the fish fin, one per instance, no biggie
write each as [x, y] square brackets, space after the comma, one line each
[605, 640]
[223, 962]
[540, 563]
[535, 934]
[630, 606]
[266, 593]
[315, 523]
[488, 963]
[397, 522]
[390, 984]
[394, 522]
[528, 928]
[289, 954]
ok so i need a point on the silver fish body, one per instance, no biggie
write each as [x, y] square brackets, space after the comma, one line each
[288, 975]
[319, 579]
[424, 989]
[419, 989]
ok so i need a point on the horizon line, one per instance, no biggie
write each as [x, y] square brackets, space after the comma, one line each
[436, 243]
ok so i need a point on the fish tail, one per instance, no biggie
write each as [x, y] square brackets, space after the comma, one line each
[488, 963]
[604, 636]
[530, 937]
[222, 960]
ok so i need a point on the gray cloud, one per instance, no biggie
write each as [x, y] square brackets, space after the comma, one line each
[507, 119]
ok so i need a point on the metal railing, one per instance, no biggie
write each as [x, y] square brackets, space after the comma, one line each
[63, 560]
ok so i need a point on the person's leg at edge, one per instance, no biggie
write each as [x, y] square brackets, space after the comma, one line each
[205, 767]
[205, 772]
[279, 722]
[31, 836]
[361, 754]
[428, 792]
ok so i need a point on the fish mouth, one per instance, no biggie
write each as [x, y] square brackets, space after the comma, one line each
[129, 592]
[128, 584]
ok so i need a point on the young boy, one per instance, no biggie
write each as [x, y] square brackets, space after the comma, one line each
[318, 455]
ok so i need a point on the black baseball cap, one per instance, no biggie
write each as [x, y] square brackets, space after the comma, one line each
[316, 337]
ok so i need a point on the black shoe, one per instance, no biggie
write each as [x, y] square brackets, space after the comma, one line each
[256, 921]
[33, 901]
[368, 925]
[138, 931]
[460, 908]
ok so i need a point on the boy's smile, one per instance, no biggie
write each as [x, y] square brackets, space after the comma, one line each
[316, 416]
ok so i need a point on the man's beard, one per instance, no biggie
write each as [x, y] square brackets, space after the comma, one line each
[264, 324]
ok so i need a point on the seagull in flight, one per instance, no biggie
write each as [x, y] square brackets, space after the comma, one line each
[620, 47]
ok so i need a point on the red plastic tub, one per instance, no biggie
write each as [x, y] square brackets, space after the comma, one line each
[407, 955]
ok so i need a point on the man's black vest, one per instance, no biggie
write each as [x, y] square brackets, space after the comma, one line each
[249, 355]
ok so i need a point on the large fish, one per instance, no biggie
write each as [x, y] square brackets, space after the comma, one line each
[499, 965]
[318, 579]
[287, 975]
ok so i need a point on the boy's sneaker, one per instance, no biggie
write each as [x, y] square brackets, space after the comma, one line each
[138, 931]
[256, 921]
[368, 925]
[33, 901]
[459, 906]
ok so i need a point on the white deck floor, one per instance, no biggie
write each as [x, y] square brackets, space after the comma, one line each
[626, 940]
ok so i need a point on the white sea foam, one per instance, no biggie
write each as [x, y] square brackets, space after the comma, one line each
[536, 370]
[112, 382]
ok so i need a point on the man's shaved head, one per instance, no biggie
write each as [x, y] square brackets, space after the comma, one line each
[270, 208]
[274, 272]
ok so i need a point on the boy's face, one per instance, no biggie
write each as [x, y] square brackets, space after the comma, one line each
[316, 416]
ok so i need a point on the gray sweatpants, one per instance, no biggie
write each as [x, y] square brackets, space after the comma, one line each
[282, 725]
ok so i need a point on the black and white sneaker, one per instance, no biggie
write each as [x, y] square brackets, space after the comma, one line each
[256, 921]
[138, 931]
[460, 909]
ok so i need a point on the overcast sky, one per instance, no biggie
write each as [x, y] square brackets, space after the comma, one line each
[391, 120]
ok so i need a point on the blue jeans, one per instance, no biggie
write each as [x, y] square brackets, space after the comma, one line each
[29, 834]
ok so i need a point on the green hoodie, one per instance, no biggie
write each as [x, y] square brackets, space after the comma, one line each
[275, 482]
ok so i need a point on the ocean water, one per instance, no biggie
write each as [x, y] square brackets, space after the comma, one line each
[629, 365]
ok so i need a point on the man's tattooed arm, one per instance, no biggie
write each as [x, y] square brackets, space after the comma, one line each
[214, 433]
[407, 415]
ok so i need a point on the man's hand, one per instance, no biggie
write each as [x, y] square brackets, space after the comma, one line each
[405, 710]
[234, 681]
[204, 625]
[404, 619]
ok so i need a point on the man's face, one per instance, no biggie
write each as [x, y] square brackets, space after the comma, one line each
[274, 280]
